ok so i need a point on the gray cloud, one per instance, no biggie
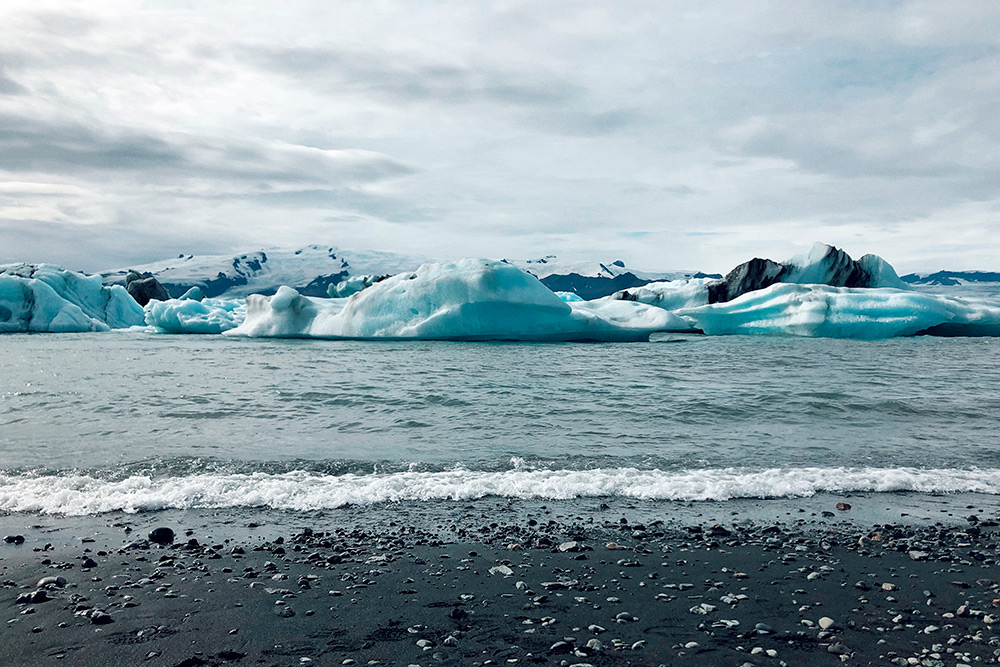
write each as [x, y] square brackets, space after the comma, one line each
[404, 77]
[66, 148]
[95, 248]
[510, 128]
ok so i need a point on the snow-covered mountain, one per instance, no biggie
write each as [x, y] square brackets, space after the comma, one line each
[952, 278]
[310, 270]
[313, 269]
[592, 280]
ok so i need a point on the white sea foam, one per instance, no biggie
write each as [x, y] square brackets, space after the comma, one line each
[298, 490]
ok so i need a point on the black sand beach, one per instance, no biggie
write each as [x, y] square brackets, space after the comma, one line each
[497, 583]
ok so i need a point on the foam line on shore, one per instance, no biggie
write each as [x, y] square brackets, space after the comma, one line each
[80, 494]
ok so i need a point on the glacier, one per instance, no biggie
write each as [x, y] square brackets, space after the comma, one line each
[822, 311]
[471, 299]
[46, 298]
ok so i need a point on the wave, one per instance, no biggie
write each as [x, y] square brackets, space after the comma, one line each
[82, 494]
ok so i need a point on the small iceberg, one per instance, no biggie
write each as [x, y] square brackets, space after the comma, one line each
[190, 315]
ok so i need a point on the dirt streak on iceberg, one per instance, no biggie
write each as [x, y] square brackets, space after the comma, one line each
[471, 299]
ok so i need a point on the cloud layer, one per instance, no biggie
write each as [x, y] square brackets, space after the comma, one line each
[673, 135]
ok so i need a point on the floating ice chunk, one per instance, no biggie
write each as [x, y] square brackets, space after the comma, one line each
[46, 298]
[189, 316]
[472, 299]
[841, 312]
[671, 294]
[631, 315]
[569, 297]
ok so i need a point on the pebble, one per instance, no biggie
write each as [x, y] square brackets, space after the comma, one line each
[825, 623]
[58, 582]
[161, 535]
[98, 617]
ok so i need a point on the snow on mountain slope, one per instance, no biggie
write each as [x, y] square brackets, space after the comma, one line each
[592, 280]
[310, 271]
[979, 283]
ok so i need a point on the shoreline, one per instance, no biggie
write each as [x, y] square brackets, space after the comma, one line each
[493, 582]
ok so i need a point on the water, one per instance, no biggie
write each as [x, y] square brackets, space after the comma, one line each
[99, 422]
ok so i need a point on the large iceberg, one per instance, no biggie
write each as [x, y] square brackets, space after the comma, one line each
[844, 312]
[472, 299]
[46, 298]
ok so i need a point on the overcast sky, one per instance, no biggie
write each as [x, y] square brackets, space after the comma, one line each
[668, 134]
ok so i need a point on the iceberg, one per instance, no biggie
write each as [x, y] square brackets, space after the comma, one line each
[46, 298]
[822, 265]
[823, 311]
[189, 315]
[471, 299]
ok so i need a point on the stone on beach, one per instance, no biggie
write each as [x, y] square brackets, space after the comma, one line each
[161, 535]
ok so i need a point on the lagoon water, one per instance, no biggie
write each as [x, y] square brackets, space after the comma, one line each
[91, 423]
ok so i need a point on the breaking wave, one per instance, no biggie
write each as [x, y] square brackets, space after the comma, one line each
[83, 494]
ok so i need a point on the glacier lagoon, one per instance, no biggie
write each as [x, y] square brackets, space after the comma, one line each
[99, 422]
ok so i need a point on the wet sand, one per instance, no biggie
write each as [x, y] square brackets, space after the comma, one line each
[495, 583]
